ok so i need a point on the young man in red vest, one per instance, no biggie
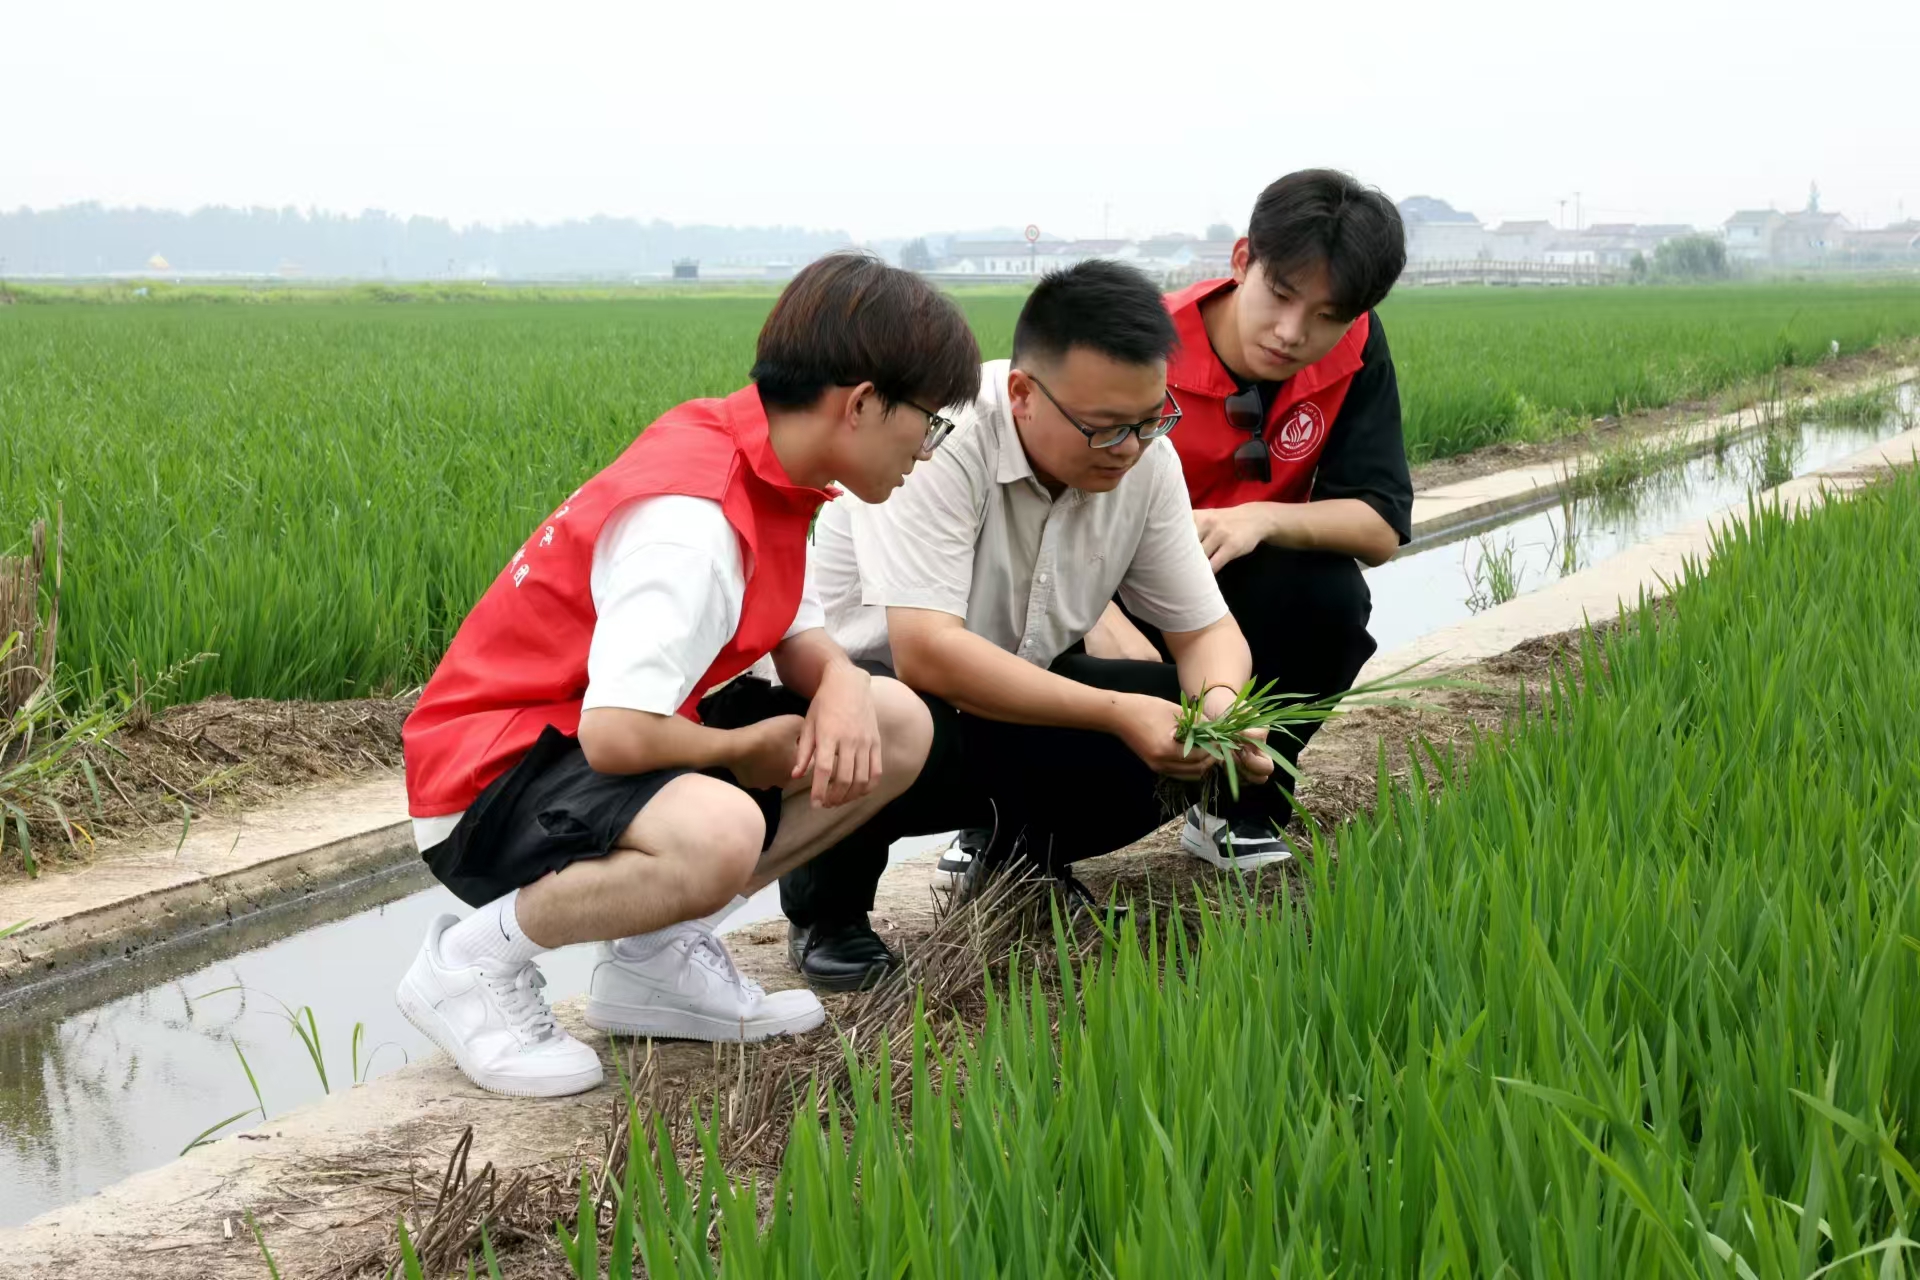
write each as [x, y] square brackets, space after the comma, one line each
[1293, 455]
[573, 773]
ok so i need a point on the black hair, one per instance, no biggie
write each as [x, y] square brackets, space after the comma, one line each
[1101, 305]
[850, 318]
[1323, 215]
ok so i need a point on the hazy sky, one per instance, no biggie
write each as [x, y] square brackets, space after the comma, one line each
[891, 119]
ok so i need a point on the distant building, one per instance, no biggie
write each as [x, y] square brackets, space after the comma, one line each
[1612, 244]
[1810, 238]
[1767, 237]
[1438, 232]
[1749, 234]
[686, 268]
[1524, 241]
[1899, 242]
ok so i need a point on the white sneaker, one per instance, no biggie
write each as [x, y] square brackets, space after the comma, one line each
[1238, 846]
[492, 1021]
[957, 858]
[690, 990]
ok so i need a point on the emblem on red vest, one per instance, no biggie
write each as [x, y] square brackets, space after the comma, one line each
[1299, 433]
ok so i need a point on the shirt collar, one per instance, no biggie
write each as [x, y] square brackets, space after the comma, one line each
[1012, 466]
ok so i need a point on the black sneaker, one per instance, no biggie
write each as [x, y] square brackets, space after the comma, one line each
[958, 858]
[841, 955]
[1237, 846]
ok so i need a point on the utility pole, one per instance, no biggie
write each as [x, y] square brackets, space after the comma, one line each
[1563, 213]
[1576, 211]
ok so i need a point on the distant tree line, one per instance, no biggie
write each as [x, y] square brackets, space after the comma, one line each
[90, 239]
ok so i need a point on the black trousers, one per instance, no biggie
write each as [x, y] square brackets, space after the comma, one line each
[1078, 794]
[1073, 793]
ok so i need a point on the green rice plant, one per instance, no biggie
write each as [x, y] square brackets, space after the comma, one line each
[1774, 457]
[1257, 714]
[273, 1268]
[1495, 578]
[11, 929]
[328, 483]
[1859, 407]
[360, 1071]
[1637, 994]
[205, 1136]
[252, 1082]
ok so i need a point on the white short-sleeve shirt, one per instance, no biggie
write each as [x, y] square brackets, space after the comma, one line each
[973, 533]
[668, 586]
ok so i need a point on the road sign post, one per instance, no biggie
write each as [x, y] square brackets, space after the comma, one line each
[1033, 249]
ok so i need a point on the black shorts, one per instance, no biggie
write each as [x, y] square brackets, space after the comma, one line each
[553, 808]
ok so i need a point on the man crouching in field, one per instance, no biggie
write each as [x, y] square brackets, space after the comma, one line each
[564, 768]
[980, 580]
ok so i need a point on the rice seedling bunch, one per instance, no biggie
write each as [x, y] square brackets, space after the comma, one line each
[1638, 995]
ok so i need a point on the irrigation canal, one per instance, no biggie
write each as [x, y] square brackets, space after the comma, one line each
[117, 1071]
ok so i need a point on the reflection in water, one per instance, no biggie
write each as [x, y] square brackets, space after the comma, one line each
[101, 1079]
[1436, 586]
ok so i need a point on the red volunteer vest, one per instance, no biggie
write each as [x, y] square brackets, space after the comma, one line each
[519, 661]
[1297, 422]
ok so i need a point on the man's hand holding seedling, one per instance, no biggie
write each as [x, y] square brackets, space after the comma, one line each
[1250, 760]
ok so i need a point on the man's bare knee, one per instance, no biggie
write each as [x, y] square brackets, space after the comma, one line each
[710, 831]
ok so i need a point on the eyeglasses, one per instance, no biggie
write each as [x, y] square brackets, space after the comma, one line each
[1107, 437]
[938, 428]
[1247, 411]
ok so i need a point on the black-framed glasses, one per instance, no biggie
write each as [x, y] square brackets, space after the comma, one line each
[1247, 411]
[938, 428]
[1107, 437]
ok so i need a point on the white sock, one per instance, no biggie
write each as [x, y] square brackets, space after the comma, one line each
[490, 934]
[644, 946]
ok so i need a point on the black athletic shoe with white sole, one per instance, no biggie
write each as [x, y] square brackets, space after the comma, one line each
[1238, 846]
[957, 858]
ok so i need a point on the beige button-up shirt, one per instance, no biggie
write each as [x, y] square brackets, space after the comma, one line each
[973, 533]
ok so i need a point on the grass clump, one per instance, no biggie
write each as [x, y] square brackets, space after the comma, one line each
[1638, 996]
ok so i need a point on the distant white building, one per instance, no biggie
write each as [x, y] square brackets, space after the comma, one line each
[1524, 241]
[1749, 234]
[1809, 238]
[1438, 232]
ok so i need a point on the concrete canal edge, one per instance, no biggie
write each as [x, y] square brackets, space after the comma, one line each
[1651, 567]
[184, 1217]
[1445, 509]
[162, 890]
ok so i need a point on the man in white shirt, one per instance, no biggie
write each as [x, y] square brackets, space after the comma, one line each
[589, 764]
[977, 583]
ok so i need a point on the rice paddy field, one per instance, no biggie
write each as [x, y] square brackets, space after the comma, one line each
[1638, 997]
[314, 492]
